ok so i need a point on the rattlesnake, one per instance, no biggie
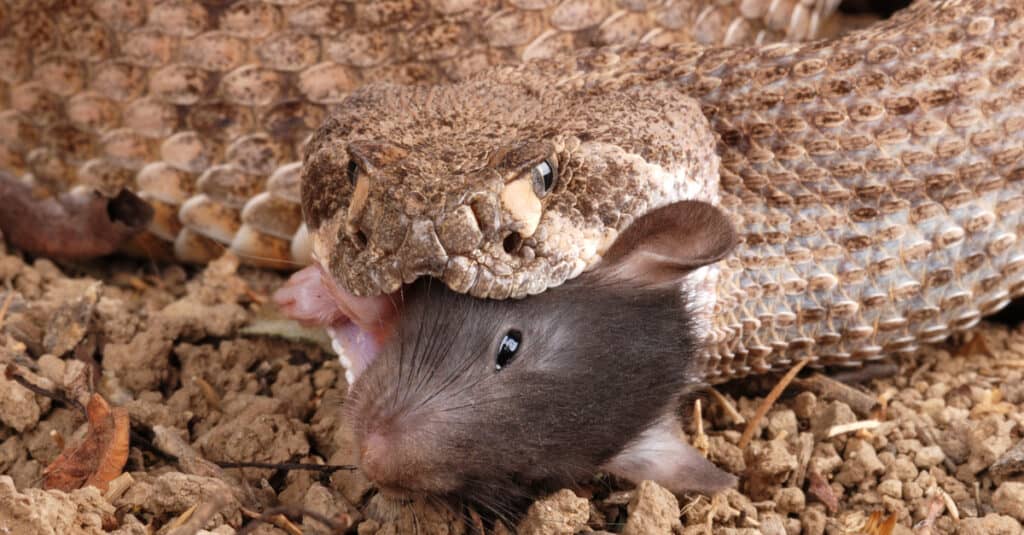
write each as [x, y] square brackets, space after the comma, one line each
[874, 177]
[203, 107]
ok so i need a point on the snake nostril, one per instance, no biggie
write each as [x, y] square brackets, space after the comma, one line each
[512, 242]
[359, 237]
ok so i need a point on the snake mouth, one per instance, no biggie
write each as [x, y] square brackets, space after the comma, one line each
[358, 326]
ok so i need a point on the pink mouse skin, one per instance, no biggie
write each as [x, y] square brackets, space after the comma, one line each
[357, 325]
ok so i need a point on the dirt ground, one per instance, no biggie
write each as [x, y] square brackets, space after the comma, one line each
[207, 374]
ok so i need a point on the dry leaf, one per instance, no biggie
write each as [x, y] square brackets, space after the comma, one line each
[977, 346]
[877, 526]
[100, 456]
[823, 491]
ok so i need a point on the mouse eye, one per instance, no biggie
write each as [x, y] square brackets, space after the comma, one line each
[544, 177]
[508, 349]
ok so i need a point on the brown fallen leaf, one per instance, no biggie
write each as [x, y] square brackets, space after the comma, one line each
[99, 457]
[877, 526]
[978, 345]
[823, 491]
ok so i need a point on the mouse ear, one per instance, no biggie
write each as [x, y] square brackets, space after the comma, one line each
[661, 455]
[667, 243]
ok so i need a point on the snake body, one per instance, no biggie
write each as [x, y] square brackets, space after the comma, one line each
[875, 178]
[203, 107]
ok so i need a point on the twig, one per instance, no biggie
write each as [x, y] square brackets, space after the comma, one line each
[6, 306]
[269, 514]
[208, 392]
[766, 405]
[833, 390]
[840, 429]
[11, 373]
[197, 516]
[728, 407]
[936, 504]
[700, 440]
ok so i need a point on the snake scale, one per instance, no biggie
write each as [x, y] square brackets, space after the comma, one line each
[875, 177]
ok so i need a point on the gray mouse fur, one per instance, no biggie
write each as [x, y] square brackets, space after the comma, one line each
[594, 384]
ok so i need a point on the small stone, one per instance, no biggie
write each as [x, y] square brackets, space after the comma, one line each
[912, 491]
[790, 500]
[266, 438]
[174, 492]
[417, 516]
[143, 363]
[891, 487]
[989, 439]
[69, 323]
[900, 467]
[813, 519]
[826, 460]
[652, 510]
[726, 455]
[330, 504]
[771, 524]
[990, 524]
[739, 506]
[34, 510]
[51, 367]
[805, 404]
[782, 423]
[861, 464]
[769, 464]
[934, 408]
[352, 484]
[18, 407]
[929, 456]
[561, 512]
[908, 446]
[835, 413]
[1009, 499]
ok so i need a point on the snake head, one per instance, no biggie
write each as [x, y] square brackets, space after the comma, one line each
[501, 185]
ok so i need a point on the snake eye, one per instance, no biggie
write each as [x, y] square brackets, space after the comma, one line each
[508, 349]
[353, 172]
[544, 178]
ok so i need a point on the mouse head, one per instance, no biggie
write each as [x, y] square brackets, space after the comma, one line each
[525, 170]
[481, 398]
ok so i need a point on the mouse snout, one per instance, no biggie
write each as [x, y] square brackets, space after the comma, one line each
[400, 460]
[378, 460]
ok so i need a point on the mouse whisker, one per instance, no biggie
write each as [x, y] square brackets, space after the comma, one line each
[477, 403]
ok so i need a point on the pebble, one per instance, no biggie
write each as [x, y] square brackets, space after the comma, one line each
[835, 413]
[560, 513]
[652, 510]
[1008, 499]
[790, 500]
[990, 524]
[861, 463]
[891, 487]
[929, 456]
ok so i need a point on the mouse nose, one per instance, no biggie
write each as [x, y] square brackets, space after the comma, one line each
[377, 460]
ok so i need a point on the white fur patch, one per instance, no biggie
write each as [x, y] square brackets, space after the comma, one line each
[659, 454]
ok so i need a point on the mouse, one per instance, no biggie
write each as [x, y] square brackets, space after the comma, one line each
[487, 399]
